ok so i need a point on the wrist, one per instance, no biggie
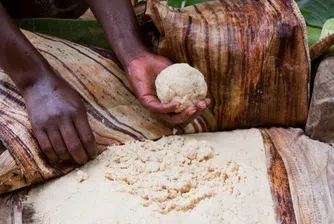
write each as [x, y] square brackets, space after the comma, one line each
[25, 67]
[127, 47]
[130, 53]
[34, 76]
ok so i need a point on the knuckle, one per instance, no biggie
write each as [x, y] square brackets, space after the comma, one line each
[55, 116]
[49, 121]
[72, 112]
[144, 101]
[39, 123]
[75, 109]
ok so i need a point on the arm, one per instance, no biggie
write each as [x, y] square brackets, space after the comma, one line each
[55, 110]
[19, 59]
[122, 31]
[121, 28]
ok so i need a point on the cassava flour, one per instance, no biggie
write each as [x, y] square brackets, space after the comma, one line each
[203, 178]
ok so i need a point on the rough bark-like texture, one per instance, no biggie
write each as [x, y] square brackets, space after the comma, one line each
[279, 183]
[253, 54]
[320, 123]
[310, 169]
[114, 112]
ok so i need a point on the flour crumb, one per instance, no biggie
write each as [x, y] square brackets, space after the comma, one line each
[175, 131]
[173, 173]
[82, 176]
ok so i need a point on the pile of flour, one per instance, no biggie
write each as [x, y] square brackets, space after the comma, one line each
[203, 178]
[172, 173]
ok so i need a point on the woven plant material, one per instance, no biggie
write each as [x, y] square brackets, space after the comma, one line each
[254, 56]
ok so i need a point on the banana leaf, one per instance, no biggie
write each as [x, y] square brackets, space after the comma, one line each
[316, 12]
[85, 32]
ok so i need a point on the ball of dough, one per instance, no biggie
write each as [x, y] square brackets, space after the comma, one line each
[181, 83]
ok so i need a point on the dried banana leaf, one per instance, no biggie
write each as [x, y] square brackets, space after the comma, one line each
[254, 55]
[114, 113]
[310, 168]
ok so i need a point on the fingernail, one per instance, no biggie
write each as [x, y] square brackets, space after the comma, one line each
[202, 105]
[192, 112]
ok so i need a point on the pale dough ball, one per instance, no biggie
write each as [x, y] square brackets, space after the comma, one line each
[181, 83]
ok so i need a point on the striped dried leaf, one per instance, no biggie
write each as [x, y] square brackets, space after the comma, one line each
[254, 55]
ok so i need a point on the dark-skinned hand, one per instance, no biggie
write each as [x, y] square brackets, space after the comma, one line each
[142, 73]
[59, 121]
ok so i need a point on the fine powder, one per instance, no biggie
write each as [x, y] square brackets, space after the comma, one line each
[202, 178]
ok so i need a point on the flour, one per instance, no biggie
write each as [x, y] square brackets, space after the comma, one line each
[203, 178]
[81, 176]
[172, 173]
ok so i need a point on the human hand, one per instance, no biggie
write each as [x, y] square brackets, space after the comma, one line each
[59, 121]
[142, 75]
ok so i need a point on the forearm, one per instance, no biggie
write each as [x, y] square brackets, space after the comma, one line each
[121, 27]
[18, 57]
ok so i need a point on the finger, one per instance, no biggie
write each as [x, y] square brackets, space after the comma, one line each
[185, 117]
[203, 104]
[58, 145]
[180, 117]
[45, 145]
[153, 104]
[200, 106]
[207, 101]
[73, 143]
[86, 135]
